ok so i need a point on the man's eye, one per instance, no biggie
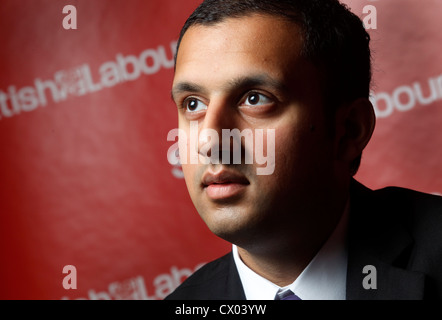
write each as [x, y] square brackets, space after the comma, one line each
[194, 105]
[256, 99]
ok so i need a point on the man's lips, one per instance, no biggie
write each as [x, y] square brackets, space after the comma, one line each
[223, 184]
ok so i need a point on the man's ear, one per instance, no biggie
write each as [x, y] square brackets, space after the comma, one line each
[355, 123]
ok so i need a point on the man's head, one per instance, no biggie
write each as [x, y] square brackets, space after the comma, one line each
[301, 68]
[333, 38]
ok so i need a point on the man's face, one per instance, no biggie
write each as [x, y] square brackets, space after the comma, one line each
[247, 73]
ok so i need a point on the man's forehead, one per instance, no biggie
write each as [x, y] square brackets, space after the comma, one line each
[238, 47]
[256, 33]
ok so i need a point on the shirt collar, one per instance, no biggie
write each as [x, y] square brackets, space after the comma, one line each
[324, 278]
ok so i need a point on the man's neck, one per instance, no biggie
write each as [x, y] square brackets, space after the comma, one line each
[283, 262]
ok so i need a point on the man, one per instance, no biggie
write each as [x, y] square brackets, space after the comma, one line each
[299, 69]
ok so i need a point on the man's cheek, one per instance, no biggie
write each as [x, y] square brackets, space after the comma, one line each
[189, 178]
[265, 149]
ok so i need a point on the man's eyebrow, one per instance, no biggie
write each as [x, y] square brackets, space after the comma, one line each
[244, 82]
[259, 80]
[185, 87]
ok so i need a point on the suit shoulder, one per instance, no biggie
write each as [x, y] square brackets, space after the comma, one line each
[421, 212]
[200, 283]
[419, 206]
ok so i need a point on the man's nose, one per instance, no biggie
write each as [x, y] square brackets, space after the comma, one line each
[219, 116]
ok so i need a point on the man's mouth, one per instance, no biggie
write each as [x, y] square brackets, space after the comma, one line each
[224, 184]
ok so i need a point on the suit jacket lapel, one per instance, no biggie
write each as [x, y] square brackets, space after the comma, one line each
[220, 280]
[377, 238]
[230, 285]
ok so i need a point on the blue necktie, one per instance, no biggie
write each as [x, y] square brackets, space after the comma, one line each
[286, 295]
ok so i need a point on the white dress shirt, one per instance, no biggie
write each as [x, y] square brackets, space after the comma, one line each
[324, 278]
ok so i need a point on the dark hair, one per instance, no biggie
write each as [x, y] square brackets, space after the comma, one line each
[334, 39]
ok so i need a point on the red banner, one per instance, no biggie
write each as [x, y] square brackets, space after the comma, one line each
[85, 110]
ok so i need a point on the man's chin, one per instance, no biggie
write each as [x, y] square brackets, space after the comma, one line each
[230, 224]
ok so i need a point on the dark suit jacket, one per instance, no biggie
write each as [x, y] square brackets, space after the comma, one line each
[398, 231]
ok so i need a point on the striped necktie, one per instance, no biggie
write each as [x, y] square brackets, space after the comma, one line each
[286, 295]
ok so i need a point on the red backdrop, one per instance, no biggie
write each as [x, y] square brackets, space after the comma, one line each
[84, 117]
